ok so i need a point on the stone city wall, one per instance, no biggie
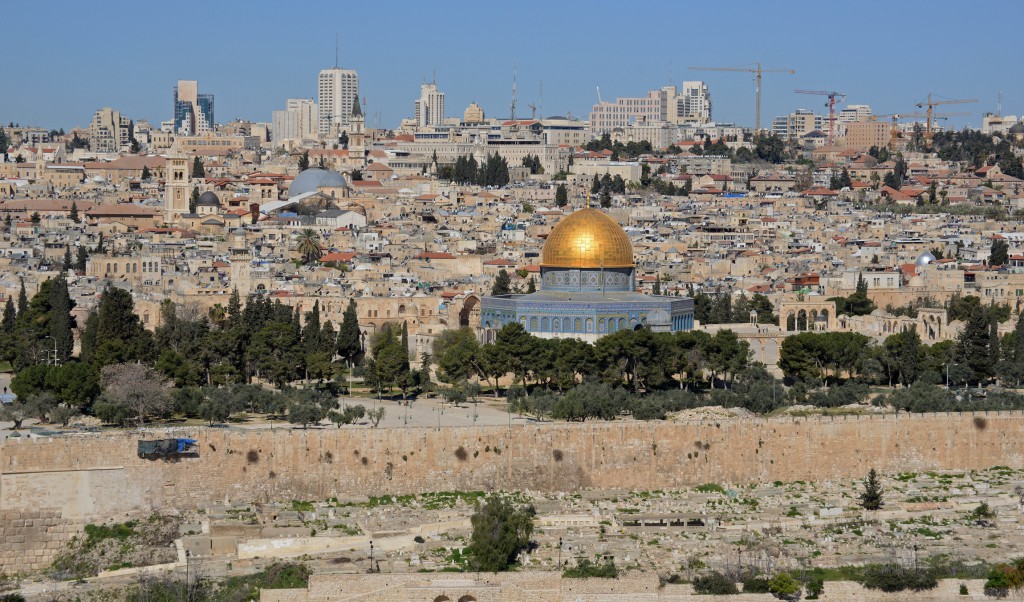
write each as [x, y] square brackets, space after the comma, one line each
[97, 477]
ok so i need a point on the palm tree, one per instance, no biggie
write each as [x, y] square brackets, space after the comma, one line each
[308, 245]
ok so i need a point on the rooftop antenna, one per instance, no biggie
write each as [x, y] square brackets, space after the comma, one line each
[512, 117]
[999, 104]
[335, 50]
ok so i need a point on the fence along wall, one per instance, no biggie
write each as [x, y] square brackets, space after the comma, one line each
[97, 476]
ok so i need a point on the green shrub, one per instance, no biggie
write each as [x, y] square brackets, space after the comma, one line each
[784, 587]
[755, 585]
[715, 584]
[711, 488]
[585, 569]
[815, 587]
[895, 578]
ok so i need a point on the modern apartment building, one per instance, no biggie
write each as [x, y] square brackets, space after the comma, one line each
[606, 116]
[193, 112]
[110, 131]
[798, 123]
[694, 105]
[862, 135]
[337, 90]
[429, 107]
[853, 113]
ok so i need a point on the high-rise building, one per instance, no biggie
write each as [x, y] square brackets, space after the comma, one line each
[694, 106]
[305, 115]
[110, 132]
[296, 122]
[337, 90]
[429, 109]
[284, 126]
[193, 112]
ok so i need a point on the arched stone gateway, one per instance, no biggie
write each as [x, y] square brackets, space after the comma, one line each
[800, 315]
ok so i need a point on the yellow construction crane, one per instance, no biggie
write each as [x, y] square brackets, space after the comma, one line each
[931, 104]
[757, 71]
[897, 117]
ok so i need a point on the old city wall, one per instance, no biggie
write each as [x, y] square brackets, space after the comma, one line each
[98, 477]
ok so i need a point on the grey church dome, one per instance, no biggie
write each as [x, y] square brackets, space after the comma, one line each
[311, 179]
[208, 198]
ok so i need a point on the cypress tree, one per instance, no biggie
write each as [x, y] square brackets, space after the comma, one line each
[405, 343]
[198, 170]
[61, 322]
[657, 285]
[99, 245]
[81, 260]
[73, 214]
[502, 284]
[311, 331]
[348, 335]
[193, 201]
[9, 316]
[234, 309]
[67, 258]
[22, 298]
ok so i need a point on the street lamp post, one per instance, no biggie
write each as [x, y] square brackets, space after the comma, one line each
[559, 552]
[49, 336]
[371, 556]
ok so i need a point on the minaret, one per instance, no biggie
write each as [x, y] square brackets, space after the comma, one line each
[177, 188]
[356, 138]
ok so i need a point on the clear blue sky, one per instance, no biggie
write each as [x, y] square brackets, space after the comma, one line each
[65, 59]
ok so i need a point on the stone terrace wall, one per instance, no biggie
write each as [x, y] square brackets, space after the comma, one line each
[98, 476]
[31, 539]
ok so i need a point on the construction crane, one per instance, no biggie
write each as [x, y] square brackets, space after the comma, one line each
[931, 104]
[757, 71]
[897, 117]
[831, 104]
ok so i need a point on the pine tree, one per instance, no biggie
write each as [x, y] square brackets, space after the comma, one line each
[304, 161]
[531, 286]
[596, 186]
[349, 340]
[198, 170]
[502, 284]
[871, 498]
[193, 201]
[146, 174]
[99, 245]
[73, 214]
[605, 197]
[656, 290]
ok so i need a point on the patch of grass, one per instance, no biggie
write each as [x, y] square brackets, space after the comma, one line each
[711, 488]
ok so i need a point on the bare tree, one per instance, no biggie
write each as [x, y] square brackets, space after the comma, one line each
[139, 389]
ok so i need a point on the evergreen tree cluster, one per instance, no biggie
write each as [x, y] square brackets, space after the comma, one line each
[628, 150]
[492, 172]
[722, 308]
[533, 162]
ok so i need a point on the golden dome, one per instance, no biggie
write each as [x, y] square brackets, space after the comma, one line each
[587, 238]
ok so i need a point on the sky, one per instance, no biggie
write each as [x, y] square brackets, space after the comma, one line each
[66, 59]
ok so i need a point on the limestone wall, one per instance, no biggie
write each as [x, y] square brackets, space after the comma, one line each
[32, 538]
[96, 477]
[550, 587]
